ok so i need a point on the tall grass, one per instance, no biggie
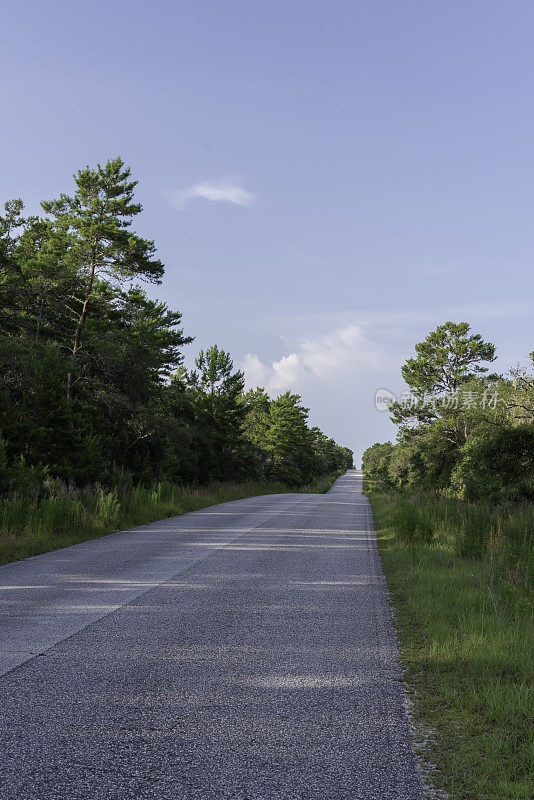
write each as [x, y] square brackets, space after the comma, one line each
[64, 515]
[502, 536]
[464, 613]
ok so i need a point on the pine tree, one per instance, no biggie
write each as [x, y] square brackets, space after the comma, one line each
[219, 412]
[289, 441]
[93, 228]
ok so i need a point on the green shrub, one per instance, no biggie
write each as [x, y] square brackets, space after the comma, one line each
[475, 534]
[63, 514]
[410, 524]
[466, 634]
[107, 509]
[497, 466]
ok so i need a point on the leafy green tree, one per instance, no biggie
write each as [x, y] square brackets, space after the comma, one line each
[257, 417]
[120, 406]
[11, 281]
[48, 284]
[33, 413]
[131, 347]
[448, 358]
[376, 463]
[497, 465]
[406, 464]
[434, 424]
[483, 449]
[215, 375]
[329, 457]
[288, 440]
[517, 395]
[9, 224]
[257, 421]
[347, 457]
[219, 413]
[93, 225]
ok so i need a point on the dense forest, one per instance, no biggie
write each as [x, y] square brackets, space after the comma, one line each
[92, 382]
[463, 431]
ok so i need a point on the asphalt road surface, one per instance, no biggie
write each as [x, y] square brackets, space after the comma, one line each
[244, 651]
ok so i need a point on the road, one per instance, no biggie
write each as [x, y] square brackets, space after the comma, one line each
[244, 651]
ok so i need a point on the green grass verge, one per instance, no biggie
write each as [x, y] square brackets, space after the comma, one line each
[29, 526]
[467, 642]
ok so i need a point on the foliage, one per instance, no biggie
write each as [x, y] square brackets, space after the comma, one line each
[92, 382]
[465, 433]
[466, 637]
[452, 501]
[61, 514]
[410, 523]
[447, 359]
[497, 465]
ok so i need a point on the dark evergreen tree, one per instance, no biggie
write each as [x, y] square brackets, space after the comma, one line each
[93, 227]
[92, 383]
[289, 442]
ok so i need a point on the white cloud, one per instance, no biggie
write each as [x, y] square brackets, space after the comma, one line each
[257, 373]
[337, 352]
[331, 358]
[227, 191]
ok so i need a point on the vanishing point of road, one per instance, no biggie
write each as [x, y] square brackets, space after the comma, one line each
[243, 651]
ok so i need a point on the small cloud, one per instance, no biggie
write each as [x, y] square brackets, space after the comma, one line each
[216, 192]
[328, 358]
[256, 372]
[276, 377]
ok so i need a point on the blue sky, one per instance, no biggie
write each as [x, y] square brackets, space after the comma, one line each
[326, 182]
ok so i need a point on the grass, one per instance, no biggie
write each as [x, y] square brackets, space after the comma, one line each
[463, 611]
[67, 515]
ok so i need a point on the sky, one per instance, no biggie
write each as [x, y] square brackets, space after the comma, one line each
[326, 182]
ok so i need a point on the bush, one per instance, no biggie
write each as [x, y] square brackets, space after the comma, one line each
[108, 509]
[497, 466]
[20, 477]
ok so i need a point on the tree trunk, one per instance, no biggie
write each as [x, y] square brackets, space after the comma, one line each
[39, 319]
[77, 344]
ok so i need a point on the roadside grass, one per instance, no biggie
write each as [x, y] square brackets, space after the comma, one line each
[67, 515]
[464, 616]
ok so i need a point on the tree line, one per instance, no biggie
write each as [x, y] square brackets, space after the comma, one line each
[462, 430]
[92, 381]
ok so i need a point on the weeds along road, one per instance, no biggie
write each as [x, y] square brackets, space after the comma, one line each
[243, 651]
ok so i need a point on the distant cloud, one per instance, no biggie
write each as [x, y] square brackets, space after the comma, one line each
[227, 191]
[331, 357]
[275, 377]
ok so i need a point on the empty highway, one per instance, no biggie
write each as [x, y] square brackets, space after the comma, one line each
[243, 651]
